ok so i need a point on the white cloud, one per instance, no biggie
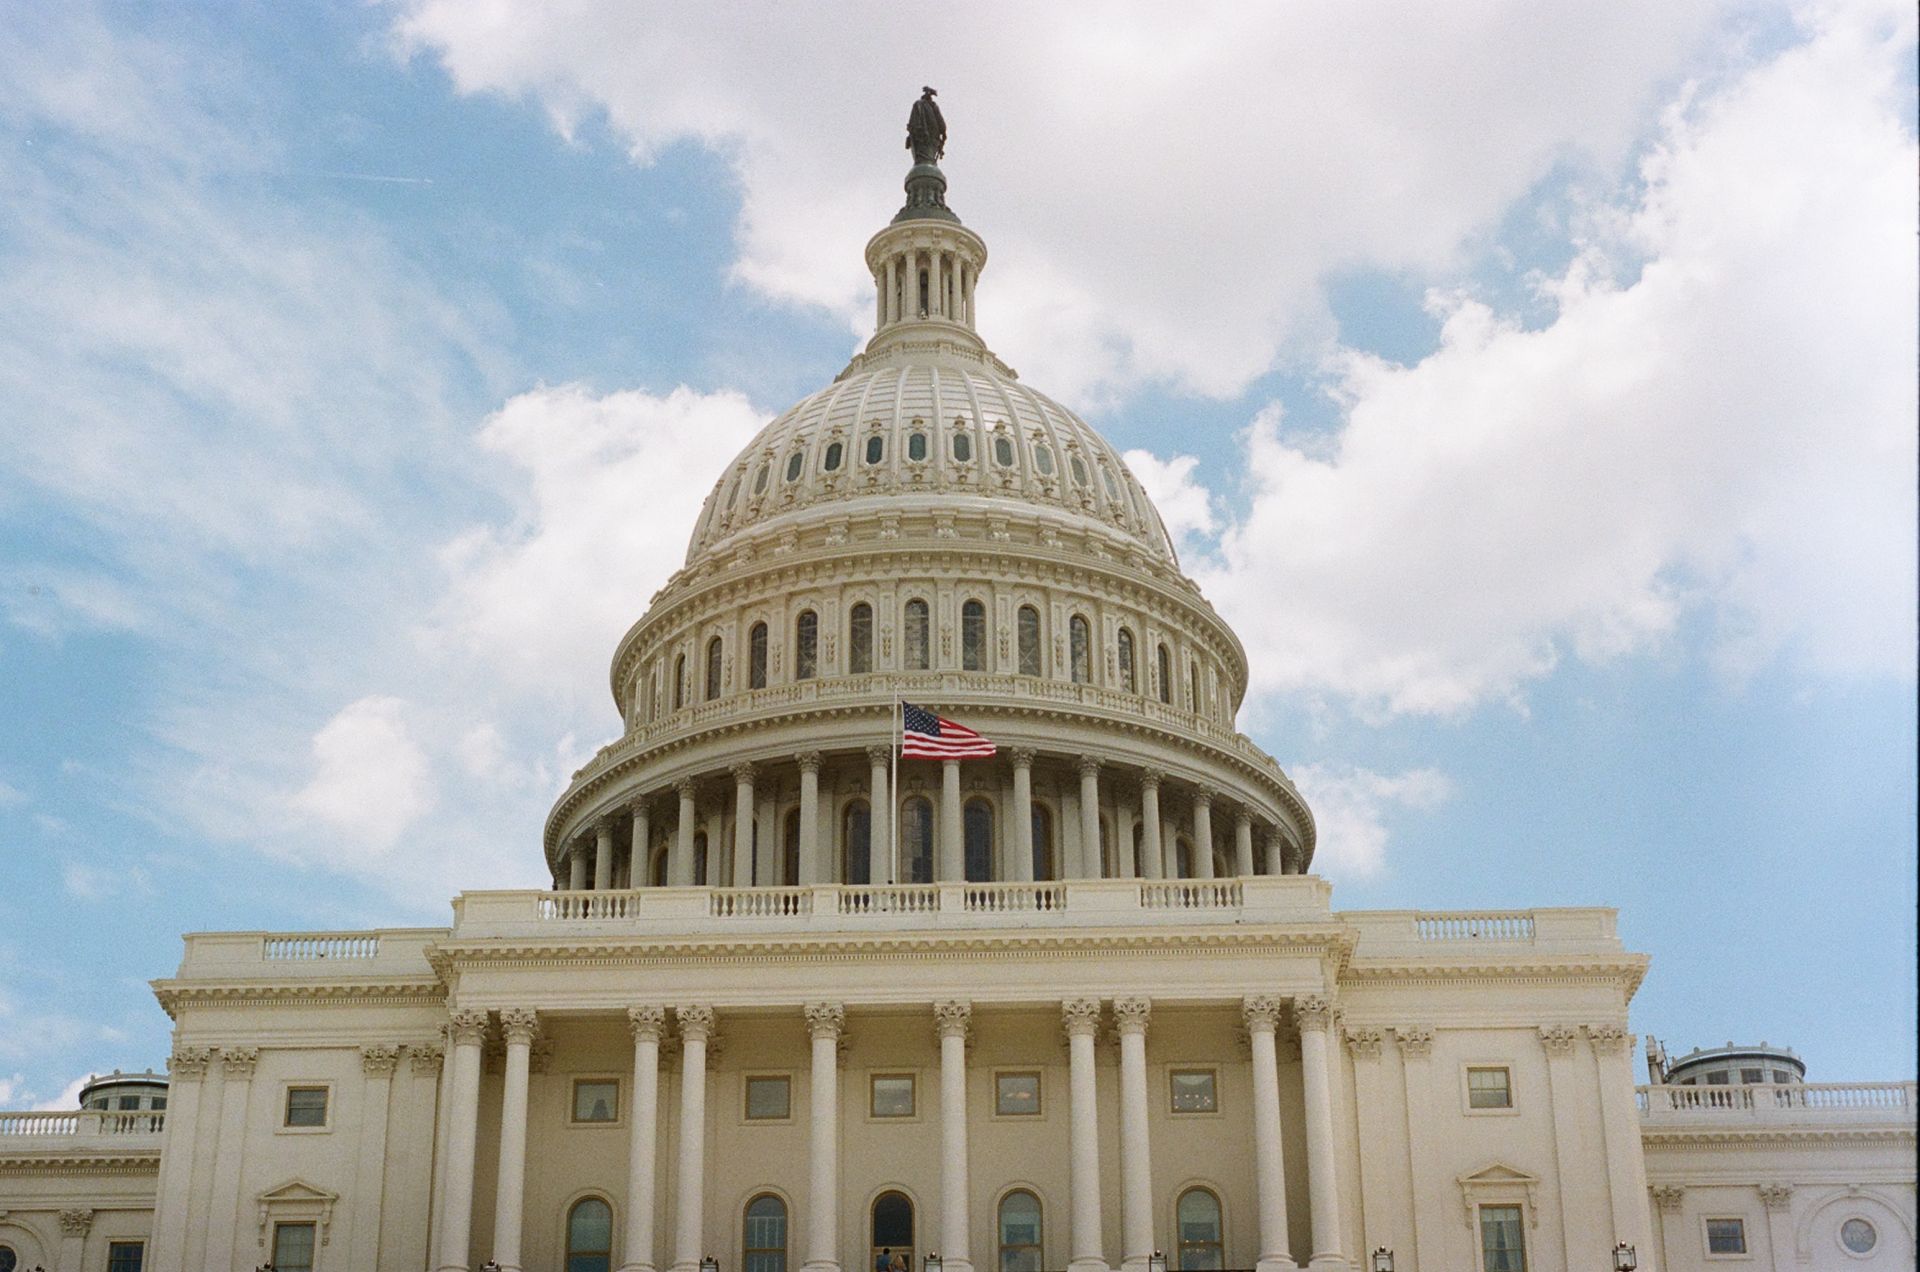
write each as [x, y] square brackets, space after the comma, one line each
[1728, 429]
[11, 796]
[1185, 506]
[1164, 189]
[372, 781]
[1352, 807]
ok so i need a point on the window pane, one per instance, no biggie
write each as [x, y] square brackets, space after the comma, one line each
[916, 841]
[765, 1235]
[293, 1247]
[1193, 1091]
[794, 461]
[1079, 639]
[713, 669]
[1198, 1228]
[978, 818]
[917, 617]
[306, 1106]
[1079, 472]
[122, 1256]
[1489, 1089]
[916, 446]
[1029, 641]
[860, 639]
[962, 447]
[1126, 660]
[596, 1101]
[769, 1098]
[973, 636]
[590, 1237]
[1019, 1233]
[806, 646]
[757, 657]
[1003, 452]
[834, 451]
[1753, 1075]
[893, 1095]
[858, 838]
[876, 447]
[1166, 676]
[1726, 1236]
[1502, 1245]
[1017, 1094]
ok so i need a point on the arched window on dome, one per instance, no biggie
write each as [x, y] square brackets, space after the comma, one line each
[1113, 487]
[760, 481]
[1043, 458]
[962, 443]
[916, 840]
[973, 636]
[795, 462]
[757, 656]
[1079, 471]
[679, 682]
[1164, 666]
[834, 453]
[856, 843]
[1125, 652]
[1080, 646]
[1197, 1224]
[763, 1238]
[790, 849]
[806, 645]
[713, 669]
[590, 1236]
[1183, 858]
[1003, 450]
[860, 639]
[977, 828]
[876, 449]
[1029, 636]
[916, 446]
[1193, 686]
[1020, 1232]
[1044, 857]
[916, 635]
[700, 859]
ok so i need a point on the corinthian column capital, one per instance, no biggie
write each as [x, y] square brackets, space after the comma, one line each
[952, 1018]
[1261, 1012]
[519, 1024]
[1080, 1016]
[695, 1021]
[1313, 1013]
[825, 1020]
[647, 1021]
[1130, 1014]
[467, 1025]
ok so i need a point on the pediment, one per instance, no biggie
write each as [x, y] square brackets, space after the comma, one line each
[296, 1199]
[1497, 1183]
[297, 1190]
[1498, 1173]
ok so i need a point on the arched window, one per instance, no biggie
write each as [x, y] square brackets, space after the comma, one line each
[856, 843]
[834, 451]
[713, 669]
[794, 463]
[1197, 1222]
[590, 1236]
[977, 820]
[916, 841]
[764, 1235]
[876, 448]
[806, 646]
[760, 480]
[916, 446]
[1043, 854]
[860, 639]
[700, 859]
[916, 635]
[657, 867]
[8, 1259]
[962, 444]
[1043, 460]
[757, 657]
[1165, 668]
[1003, 451]
[892, 1230]
[1193, 686]
[679, 682]
[1079, 646]
[1020, 1232]
[1183, 858]
[1125, 651]
[1029, 633]
[790, 849]
[973, 636]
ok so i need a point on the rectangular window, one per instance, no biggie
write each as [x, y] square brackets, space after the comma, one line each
[1717, 1079]
[128, 1102]
[293, 1247]
[769, 1099]
[1751, 1076]
[306, 1106]
[892, 1095]
[1193, 1091]
[1016, 1094]
[1782, 1077]
[1503, 1245]
[1726, 1236]
[126, 1256]
[1489, 1088]
[596, 1100]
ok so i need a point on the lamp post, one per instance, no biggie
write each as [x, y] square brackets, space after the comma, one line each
[709, 1264]
[932, 1262]
[1157, 1261]
[1624, 1258]
[1383, 1260]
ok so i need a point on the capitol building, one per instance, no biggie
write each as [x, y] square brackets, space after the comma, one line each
[797, 1004]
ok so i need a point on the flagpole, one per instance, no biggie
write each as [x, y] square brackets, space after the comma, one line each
[893, 797]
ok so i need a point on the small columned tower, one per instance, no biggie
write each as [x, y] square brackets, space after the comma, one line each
[925, 264]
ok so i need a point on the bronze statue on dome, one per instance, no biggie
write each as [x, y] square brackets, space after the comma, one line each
[926, 130]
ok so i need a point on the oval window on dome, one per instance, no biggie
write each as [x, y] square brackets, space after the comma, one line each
[733, 492]
[794, 461]
[1043, 460]
[1113, 487]
[876, 448]
[760, 481]
[962, 447]
[1003, 451]
[1079, 472]
[916, 446]
[834, 452]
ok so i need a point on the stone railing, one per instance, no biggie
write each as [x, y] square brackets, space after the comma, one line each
[81, 1124]
[1811, 1101]
[1469, 933]
[1503, 926]
[308, 945]
[282, 956]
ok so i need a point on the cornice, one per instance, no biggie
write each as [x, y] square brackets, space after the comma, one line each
[1433, 971]
[129, 1161]
[1797, 1134]
[408, 992]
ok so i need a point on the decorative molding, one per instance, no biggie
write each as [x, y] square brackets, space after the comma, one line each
[238, 1062]
[467, 1026]
[1609, 1040]
[189, 1062]
[519, 1024]
[1080, 1016]
[647, 1021]
[825, 1020]
[1498, 1183]
[952, 1018]
[76, 1222]
[809, 761]
[1260, 1013]
[1413, 1040]
[1558, 1039]
[1776, 1196]
[298, 1200]
[1312, 1013]
[379, 1061]
[1669, 1197]
[696, 1021]
[1365, 1043]
[427, 1058]
[1130, 1015]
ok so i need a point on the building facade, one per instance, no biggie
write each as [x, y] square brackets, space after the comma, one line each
[792, 1003]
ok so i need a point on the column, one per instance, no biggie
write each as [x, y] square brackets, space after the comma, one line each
[1620, 1125]
[696, 1026]
[1090, 864]
[953, 848]
[646, 1024]
[576, 868]
[933, 284]
[742, 824]
[603, 856]
[890, 305]
[1203, 832]
[1022, 813]
[951, 1019]
[469, 1027]
[222, 1217]
[1314, 1015]
[75, 1223]
[431, 1061]
[879, 816]
[1082, 1017]
[376, 1066]
[1276, 852]
[716, 851]
[1558, 1041]
[825, 1021]
[1418, 1097]
[509, 1200]
[1136, 1158]
[186, 1072]
[680, 869]
[1243, 844]
[810, 863]
[1262, 1014]
[639, 851]
[1150, 821]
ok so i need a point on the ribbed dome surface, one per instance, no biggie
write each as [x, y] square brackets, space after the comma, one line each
[929, 425]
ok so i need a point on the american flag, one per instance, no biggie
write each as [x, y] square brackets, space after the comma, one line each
[925, 736]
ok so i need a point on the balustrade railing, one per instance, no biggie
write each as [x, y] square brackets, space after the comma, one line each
[1868, 1098]
[1014, 898]
[1190, 894]
[50, 1124]
[911, 898]
[317, 945]
[39, 1123]
[1510, 926]
[760, 903]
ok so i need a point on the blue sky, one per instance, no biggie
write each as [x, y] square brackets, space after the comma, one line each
[1532, 390]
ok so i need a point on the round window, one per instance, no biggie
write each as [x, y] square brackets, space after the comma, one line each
[8, 1259]
[1858, 1236]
